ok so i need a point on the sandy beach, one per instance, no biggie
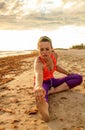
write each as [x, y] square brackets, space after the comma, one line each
[17, 103]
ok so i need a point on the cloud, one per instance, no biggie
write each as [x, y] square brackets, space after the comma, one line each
[46, 15]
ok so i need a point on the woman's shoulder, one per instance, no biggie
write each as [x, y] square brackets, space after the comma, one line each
[37, 60]
[38, 64]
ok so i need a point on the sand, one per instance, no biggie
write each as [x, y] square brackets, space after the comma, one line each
[17, 102]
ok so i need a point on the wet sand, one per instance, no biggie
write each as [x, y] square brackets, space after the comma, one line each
[17, 102]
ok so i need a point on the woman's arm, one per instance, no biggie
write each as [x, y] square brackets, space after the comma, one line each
[38, 70]
[39, 90]
[61, 70]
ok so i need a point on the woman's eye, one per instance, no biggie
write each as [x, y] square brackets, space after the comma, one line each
[41, 49]
[47, 49]
[44, 49]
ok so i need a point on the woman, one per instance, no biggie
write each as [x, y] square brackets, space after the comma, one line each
[44, 82]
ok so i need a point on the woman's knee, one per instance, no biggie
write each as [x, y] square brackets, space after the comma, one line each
[80, 78]
[75, 79]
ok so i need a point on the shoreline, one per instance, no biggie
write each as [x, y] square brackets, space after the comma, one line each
[14, 53]
[4, 54]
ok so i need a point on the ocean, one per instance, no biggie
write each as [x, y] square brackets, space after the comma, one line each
[14, 53]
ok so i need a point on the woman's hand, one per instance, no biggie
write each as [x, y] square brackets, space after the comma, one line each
[69, 73]
[39, 93]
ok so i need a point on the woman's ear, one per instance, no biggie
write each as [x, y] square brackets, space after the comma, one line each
[52, 50]
[55, 54]
[38, 51]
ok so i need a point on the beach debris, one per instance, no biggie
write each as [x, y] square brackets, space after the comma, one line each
[61, 119]
[14, 100]
[2, 128]
[7, 110]
[5, 88]
[65, 128]
[16, 121]
[78, 128]
[14, 126]
[33, 110]
[63, 97]
[5, 80]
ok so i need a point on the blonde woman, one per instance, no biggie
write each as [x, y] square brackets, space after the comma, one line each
[44, 81]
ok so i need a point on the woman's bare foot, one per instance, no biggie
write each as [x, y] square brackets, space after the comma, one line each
[43, 109]
[61, 88]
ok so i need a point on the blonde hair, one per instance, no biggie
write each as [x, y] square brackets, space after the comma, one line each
[45, 39]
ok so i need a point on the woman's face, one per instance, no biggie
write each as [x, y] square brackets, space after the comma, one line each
[45, 49]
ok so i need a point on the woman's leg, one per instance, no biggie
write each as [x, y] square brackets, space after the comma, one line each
[65, 83]
[43, 106]
[43, 109]
[60, 88]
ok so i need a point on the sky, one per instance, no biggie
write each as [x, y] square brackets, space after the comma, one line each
[61, 20]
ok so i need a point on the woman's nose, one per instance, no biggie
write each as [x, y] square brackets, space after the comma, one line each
[45, 51]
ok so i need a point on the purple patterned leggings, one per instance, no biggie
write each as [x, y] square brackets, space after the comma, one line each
[72, 81]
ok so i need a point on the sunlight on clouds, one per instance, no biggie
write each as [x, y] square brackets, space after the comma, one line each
[47, 6]
[54, 3]
[30, 5]
[57, 3]
[68, 5]
[40, 5]
[50, 5]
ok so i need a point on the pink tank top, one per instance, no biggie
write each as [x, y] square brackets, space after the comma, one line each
[47, 74]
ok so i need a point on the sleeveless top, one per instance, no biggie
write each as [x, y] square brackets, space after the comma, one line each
[48, 74]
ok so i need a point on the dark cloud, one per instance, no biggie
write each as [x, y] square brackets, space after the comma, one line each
[14, 18]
